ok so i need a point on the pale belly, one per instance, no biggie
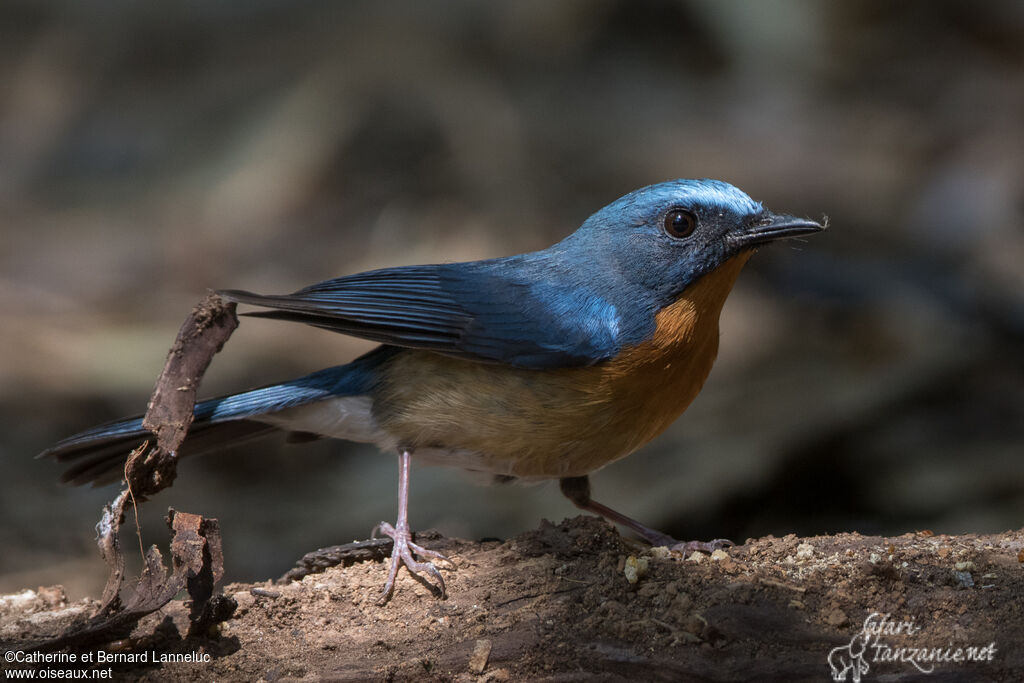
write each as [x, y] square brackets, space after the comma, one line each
[532, 424]
[527, 424]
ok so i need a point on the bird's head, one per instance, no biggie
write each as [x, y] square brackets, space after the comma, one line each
[664, 237]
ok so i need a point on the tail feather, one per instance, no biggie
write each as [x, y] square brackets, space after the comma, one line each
[101, 462]
[97, 455]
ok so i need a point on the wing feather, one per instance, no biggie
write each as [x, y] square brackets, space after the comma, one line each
[492, 311]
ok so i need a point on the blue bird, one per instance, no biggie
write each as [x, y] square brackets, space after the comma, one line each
[546, 365]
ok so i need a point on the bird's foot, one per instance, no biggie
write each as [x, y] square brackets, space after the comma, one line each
[402, 553]
[702, 546]
[657, 538]
[577, 490]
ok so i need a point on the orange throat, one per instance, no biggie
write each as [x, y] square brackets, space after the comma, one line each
[658, 379]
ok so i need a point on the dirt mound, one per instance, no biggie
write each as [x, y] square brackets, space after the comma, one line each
[578, 602]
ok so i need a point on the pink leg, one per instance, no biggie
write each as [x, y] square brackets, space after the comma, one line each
[402, 552]
[577, 489]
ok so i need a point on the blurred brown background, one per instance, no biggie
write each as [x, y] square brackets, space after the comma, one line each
[870, 379]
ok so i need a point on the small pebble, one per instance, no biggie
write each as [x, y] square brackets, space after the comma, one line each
[963, 579]
[478, 660]
[635, 569]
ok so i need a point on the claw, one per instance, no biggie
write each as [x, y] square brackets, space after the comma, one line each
[403, 550]
[403, 553]
[703, 546]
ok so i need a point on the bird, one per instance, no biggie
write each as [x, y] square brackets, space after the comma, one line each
[539, 366]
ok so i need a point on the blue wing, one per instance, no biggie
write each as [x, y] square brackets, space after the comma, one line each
[526, 312]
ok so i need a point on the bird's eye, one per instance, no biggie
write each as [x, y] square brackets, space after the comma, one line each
[680, 223]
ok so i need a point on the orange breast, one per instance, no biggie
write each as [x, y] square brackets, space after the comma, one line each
[538, 424]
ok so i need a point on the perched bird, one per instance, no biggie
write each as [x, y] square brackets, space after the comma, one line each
[546, 365]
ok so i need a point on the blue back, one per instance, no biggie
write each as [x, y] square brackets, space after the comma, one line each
[576, 303]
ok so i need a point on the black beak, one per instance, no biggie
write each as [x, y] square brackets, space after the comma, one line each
[769, 227]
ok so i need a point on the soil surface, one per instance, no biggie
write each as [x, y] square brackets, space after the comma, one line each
[577, 602]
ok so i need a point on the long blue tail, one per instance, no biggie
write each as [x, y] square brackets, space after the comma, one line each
[98, 455]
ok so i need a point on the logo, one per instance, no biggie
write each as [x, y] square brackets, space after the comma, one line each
[876, 643]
